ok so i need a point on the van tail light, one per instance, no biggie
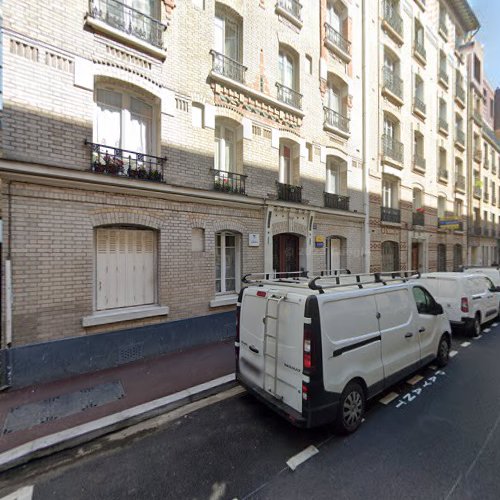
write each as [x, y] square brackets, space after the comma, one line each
[305, 391]
[464, 305]
[308, 364]
[260, 293]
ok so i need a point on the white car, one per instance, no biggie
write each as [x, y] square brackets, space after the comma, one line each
[469, 299]
[316, 350]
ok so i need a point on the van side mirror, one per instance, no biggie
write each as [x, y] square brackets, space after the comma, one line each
[496, 289]
[437, 309]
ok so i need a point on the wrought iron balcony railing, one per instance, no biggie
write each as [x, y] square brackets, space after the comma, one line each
[293, 7]
[229, 182]
[419, 161]
[460, 182]
[289, 96]
[418, 218]
[443, 124]
[443, 173]
[478, 154]
[460, 136]
[392, 148]
[122, 17]
[388, 214]
[419, 104]
[336, 120]
[336, 201]
[486, 196]
[225, 66]
[288, 192]
[392, 16]
[460, 92]
[123, 163]
[393, 83]
[477, 191]
[337, 39]
[442, 27]
[419, 49]
[443, 76]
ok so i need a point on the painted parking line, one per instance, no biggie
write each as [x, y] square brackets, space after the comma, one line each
[478, 337]
[465, 344]
[453, 354]
[495, 324]
[25, 493]
[388, 398]
[415, 380]
[487, 330]
[301, 457]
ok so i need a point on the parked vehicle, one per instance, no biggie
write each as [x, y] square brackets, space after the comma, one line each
[316, 350]
[492, 272]
[469, 299]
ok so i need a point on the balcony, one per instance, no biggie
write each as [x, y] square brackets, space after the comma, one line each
[444, 79]
[459, 138]
[460, 183]
[121, 21]
[336, 122]
[419, 162]
[123, 163]
[229, 182]
[442, 174]
[419, 107]
[419, 52]
[478, 155]
[337, 43]
[443, 30]
[336, 201]
[287, 192]
[494, 201]
[225, 66]
[388, 214]
[486, 196]
[392, 22]
[443, 126]
[291, 10]
[476, 114]
[477, 192]
[289, 96]
[418, 218]
[460, 94]
[393, 86]
[486, 164]
[392, 151]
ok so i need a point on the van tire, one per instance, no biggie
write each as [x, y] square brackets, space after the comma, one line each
[351, 408]
[474, 328]
[443, 354]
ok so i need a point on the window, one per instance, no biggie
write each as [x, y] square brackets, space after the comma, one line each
[419, 88]
[457, 257]
[227, 37]
[125, 267]
[390, 197]
[418, 144]
[425, 303]
[459, 208]
[441, 257]
[390, 256]
[336, 254]
[289, 163]
[336, 176]
[287, 70]
[443, 168]
[443, 112]
[417, 199]
[334, 17]
[124, 121]
[227, 262]
[441, 206]
[477, 69]
[225, 149]
[443, 71]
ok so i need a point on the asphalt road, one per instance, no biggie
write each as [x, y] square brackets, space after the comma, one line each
[438, 439]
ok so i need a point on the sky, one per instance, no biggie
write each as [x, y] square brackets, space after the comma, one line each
[488, 13]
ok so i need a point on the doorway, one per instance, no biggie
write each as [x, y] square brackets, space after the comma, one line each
[285, 254]
[415, 256]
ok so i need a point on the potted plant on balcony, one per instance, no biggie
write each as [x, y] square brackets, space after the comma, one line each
[420, 210]
[113, 165]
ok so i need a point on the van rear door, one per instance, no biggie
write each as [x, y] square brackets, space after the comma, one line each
[271, 343]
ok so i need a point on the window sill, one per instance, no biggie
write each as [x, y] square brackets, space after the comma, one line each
[125, 314]
[125, 38]
[224, 300]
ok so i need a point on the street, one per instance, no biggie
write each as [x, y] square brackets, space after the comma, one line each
[439, 439]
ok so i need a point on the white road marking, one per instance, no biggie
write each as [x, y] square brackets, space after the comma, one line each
[495, 324]
[487, 330]
[478, 337]
[24, 493]
[415, 380]
[453, 354]
[301, 457]
[389, 398]
[465, 344]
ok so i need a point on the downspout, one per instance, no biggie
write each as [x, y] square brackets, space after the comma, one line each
[366, 194]
[8, 275]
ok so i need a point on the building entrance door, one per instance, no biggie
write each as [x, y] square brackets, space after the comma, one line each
[285, 253]
[415, 256]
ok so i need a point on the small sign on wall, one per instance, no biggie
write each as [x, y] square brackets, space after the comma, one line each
[254, 240]
[319, 241]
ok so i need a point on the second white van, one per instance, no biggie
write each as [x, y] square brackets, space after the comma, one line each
[316, 350]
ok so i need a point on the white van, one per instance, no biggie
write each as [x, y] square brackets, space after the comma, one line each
[492, 272]
[316, 350]
[469, 300]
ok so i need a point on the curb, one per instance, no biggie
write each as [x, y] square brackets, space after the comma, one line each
[83, 433]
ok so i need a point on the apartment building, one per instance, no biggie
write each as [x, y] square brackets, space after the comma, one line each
[418, 183]
[155, 151]
[483, 162]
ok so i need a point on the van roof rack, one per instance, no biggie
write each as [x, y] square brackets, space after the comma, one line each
[464, 268]
[361, 279]
[293, 277]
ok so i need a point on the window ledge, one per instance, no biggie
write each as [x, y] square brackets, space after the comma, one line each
[224, 300]
[125, 38]
[289, 16]
[125, 314]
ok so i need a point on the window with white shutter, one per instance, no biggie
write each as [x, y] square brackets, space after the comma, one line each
[125, 267]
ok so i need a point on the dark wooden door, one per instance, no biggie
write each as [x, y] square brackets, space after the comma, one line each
[285, 253]
[415, 250]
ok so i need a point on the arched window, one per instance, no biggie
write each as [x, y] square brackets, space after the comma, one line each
[227, 262]
[125, 267]
[390, 256]
[441, 257]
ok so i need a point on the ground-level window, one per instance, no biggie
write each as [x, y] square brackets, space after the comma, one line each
[336, 253]
[125, 267]
[227, 262]
[441, 257]
[390, 256]
[457, 257]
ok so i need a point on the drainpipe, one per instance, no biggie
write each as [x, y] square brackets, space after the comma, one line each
[8, 277]
[364, 76]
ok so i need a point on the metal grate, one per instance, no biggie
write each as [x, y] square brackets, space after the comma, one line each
[129, 353]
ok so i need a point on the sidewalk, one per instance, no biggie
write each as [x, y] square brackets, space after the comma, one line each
[36, 418]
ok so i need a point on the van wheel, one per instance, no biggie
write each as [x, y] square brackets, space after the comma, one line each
[443, 354]
[475, 327]
[351, 408]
